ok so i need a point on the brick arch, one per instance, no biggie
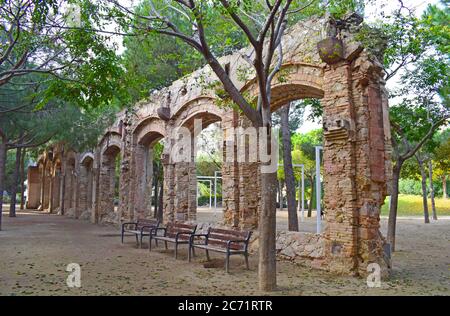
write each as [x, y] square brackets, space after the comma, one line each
[110, 143]
[89, 156]
[149, 130]
[86, 180]
[294, 81]
[109, 147]
[201, 107]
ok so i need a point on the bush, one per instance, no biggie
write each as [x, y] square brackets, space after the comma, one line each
[414, 187]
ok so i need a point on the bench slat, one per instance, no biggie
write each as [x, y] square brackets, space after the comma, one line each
[221, 231]
[223, 244]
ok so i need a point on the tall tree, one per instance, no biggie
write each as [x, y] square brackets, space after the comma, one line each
[289, 123]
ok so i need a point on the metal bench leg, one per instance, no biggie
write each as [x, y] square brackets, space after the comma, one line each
[207, 255]
[150, 243]
[189, 253]
[137, 239]
[246, 261]
[227, 263]
[122, 236]
[141, 239]
[176, 250]
[165, 243]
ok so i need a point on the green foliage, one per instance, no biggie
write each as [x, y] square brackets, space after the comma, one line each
[414, 187]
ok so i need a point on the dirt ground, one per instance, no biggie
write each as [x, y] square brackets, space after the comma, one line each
[35, 250]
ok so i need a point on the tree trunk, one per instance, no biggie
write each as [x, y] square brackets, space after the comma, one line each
[424, 190]
[392, 222]
[267, 229]
[311, 180]
[444, 187]
[433, 204]
[288, 169]
[22, 179]
[2, 177]
[15, 183]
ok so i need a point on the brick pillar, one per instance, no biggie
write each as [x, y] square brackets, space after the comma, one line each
[33, 188]
[143, 175]
[340, 169]
[42, 186]
[168, 185]
[354, 164]
[192, 178]
[55, 187]
[124, 208]
[83, 189]
[249, 175]
[230, 171]
[181, 190]
[106, 186]
[373, 152]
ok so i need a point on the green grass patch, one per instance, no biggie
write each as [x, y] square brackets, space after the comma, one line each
[411, 205]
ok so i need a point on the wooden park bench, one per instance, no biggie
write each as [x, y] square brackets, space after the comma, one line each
[142, 227]
[177, 233]
[230, 242]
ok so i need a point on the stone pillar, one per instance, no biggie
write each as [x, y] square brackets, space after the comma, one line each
[95, 189]
[168, 186]
[124, 208]
[83, 181]
[249, 176]
[354, 165]
[230, 171]
[192, 178]
[143, 166]
[104, 194]
[339, 157]
[33, 188]
[373, 152]
[55, 201]
[42, 185]
[181, 190]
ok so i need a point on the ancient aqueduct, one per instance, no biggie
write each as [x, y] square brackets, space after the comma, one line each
[356, 155]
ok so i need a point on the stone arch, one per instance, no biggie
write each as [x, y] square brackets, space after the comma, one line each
[180, 177]
[294, 81]
[147, 132]
[110, 146]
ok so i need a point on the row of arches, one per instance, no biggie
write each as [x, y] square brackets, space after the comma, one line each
[114, 183]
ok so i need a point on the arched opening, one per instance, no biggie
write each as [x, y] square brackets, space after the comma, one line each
[208, 163]
[300, 98]
[109, 184]
[149, 175]
[196, 177]
[86, 186]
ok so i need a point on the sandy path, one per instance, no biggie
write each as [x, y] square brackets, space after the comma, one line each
[36, 248]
